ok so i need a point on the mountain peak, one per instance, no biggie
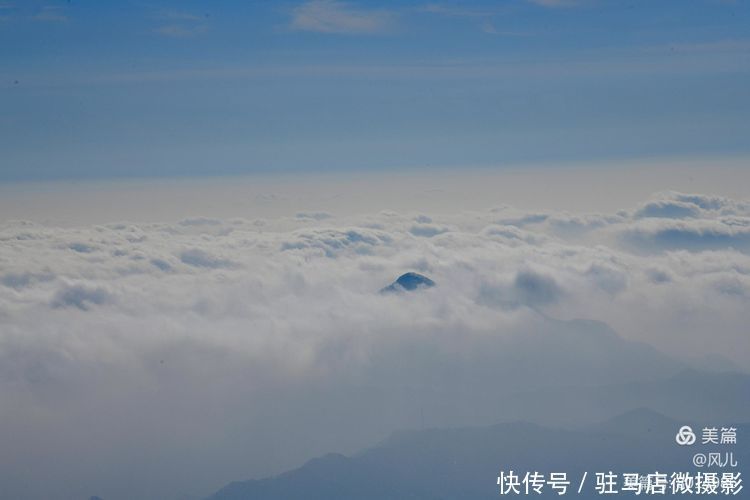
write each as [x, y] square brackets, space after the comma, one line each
[409, 282]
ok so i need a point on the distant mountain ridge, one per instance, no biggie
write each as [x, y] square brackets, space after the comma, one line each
[464, 463]
[593, 374]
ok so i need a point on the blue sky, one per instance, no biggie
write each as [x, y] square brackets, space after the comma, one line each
[150, 88]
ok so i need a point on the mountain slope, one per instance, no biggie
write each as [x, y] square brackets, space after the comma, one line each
[409, 282]
[464, 463]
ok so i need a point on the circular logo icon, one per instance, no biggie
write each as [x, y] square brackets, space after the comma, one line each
[685, 436]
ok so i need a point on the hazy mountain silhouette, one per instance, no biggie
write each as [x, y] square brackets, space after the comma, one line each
[591, 374]
[464, 462]
[690, 394]
[561, 373]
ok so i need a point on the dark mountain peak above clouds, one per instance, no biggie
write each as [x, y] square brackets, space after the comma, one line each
[409, 282]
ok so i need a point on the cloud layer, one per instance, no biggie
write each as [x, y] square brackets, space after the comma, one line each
[333, 17]
[211, 340]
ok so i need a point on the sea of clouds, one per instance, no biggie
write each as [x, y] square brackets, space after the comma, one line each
[179, 356]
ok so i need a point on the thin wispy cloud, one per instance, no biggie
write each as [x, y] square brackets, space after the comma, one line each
[455, 11]
[739, 46]
[652, 60]
[51, 13]
[6, 12]
[180, 23]
[556, 3]
[180, 31]
[490, 28]
[330, 16]
[485, 17]
[181, 15]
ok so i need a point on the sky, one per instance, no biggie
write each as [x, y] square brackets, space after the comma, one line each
[200, 201]
[92, 90]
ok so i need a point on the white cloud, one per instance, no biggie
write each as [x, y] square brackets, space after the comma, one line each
[215, 336]
[316, 216]
[427, 230]
[331, 16]
[80, 296]
[200, 258]
[672, 209]
[668, 234]
[650, 250]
